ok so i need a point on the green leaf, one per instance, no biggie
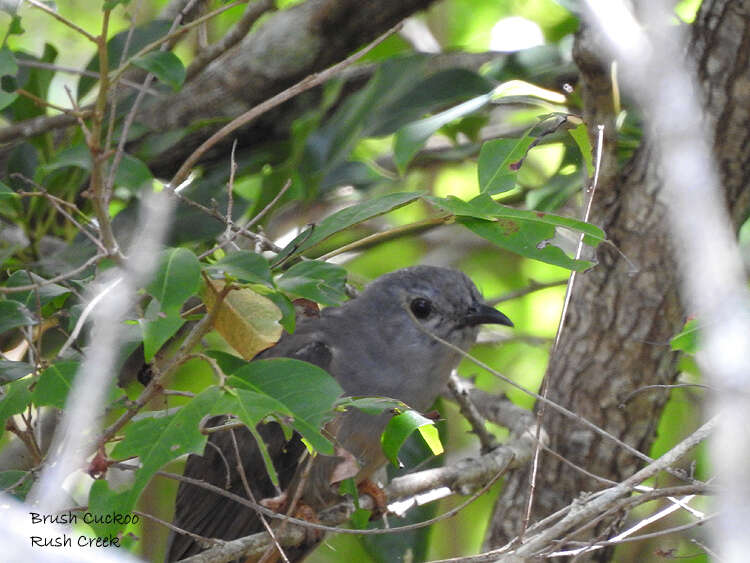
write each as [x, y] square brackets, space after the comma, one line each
[431, 437]
[140, 37]
[177, 278]
[16, 398]
[528, 233]
[111, 4]
[156, 440]
[78, 156]
[360, 518]
[246, 266]
[7, 98]
[133, 174]
[10, 371]
[581, 136]
[13, 315]
[50, 294]
[54, 384]
[687, 339]
[251, 408]
[402, 90]
[158, 328]
[229, 363]
[15, 27]
[499, 162]
[8, 65]
[370, 405]
[307, 391]
[400, 427]
[288, 314]
[36, 81]
[10, 203]
[21, 482]
[525, 238]
[344, 219]
[412, 137]
[165, 65]
[318, 281]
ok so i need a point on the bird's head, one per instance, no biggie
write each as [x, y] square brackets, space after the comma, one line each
[439, 301]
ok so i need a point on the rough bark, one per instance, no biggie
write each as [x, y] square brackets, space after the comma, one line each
[619, 322]
[290, 45]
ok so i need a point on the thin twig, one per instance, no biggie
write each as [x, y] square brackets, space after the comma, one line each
[306, 83]
[62, 277]
[389, 234]
[62, 19]
[470, 413]
[169, 38]
[163, 372]
[264, 241]
[559, 408]
[531, 288]
[250, 224]
[59, 204]
[113, 106]
[672, 386]
[251, 496]
[120, 152]
[307, 459]
[253, 12]
[230, 190]
[200, 539]
[560, 328]
[86, 111]
[41, 102]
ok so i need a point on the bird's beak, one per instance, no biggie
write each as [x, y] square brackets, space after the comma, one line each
[484, 314]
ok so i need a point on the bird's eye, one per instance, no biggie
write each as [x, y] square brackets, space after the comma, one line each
[421, 308]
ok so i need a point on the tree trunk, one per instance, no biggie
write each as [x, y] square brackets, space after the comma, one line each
[620, 318]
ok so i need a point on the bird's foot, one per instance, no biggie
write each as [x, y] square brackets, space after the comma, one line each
[277, 503]
[302, 511]
[368, 487]
[306, 512]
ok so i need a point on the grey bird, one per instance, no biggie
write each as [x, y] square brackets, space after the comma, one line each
[373, 347]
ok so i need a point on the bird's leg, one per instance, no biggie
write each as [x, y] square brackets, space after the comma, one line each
[375, 491]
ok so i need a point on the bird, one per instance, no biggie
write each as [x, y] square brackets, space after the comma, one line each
[377, 344]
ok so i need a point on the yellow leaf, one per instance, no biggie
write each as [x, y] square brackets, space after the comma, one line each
[248, 321]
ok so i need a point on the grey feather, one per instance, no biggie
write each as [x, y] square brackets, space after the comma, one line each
[372, 346]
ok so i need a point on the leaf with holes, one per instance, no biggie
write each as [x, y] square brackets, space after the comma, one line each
[528, 233]
[499, 161]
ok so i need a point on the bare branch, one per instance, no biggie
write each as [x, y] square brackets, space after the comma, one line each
[253, 12]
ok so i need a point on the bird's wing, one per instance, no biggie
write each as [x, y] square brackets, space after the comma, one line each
[211, 515]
